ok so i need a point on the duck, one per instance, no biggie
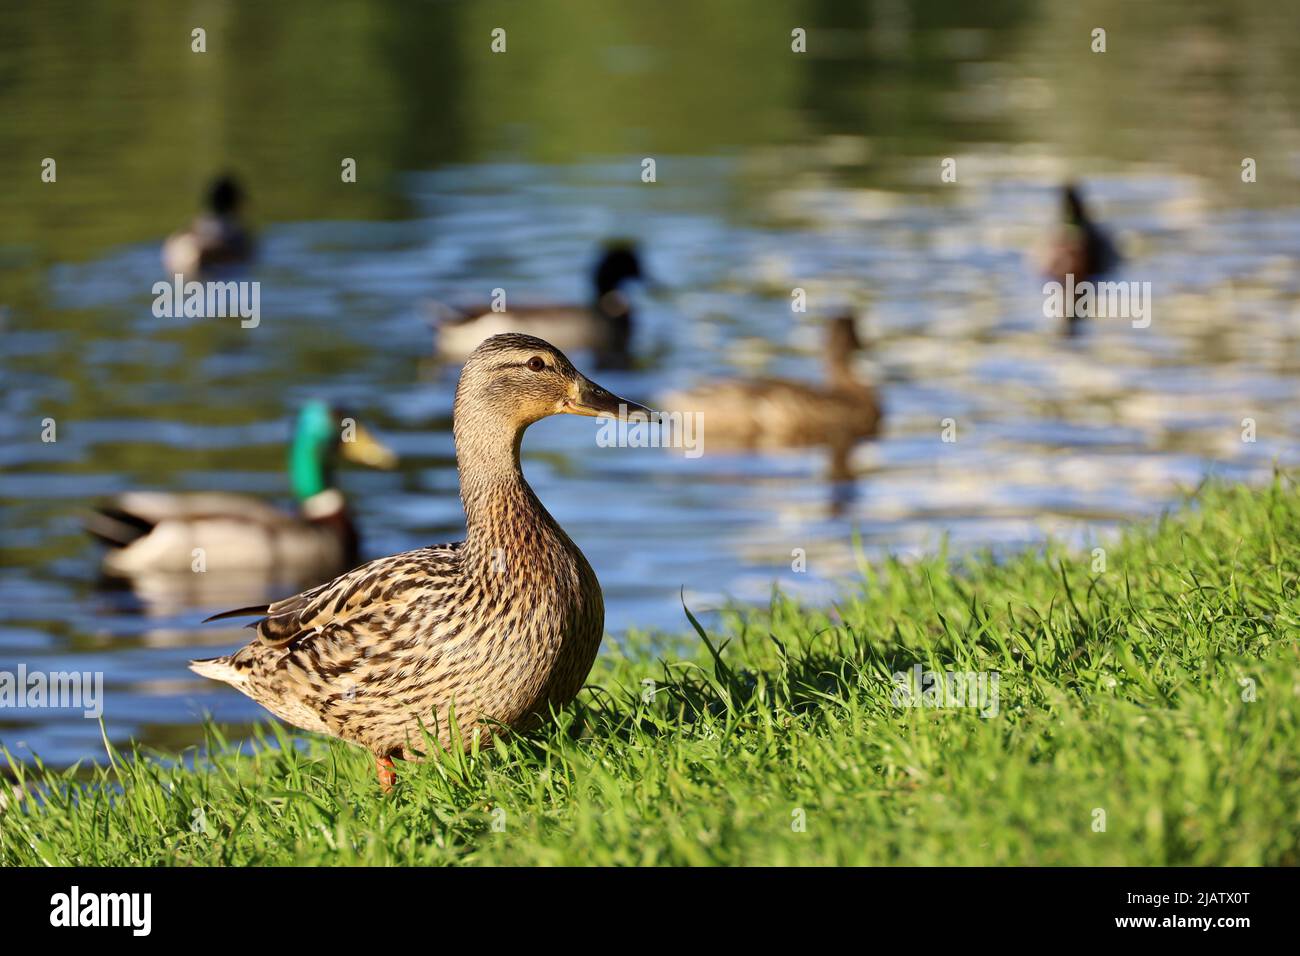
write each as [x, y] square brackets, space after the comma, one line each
[150, 533]
[1080, 248]
[496, 630]
[214, 239]
[768, 413]
[604, 327]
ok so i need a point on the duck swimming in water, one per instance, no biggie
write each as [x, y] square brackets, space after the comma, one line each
[499, 628]
[1079, 248]
[157, 532]
[214, 239]
[604, 327]
[769, 413]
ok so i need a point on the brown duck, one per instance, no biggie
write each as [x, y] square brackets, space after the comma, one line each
[771, 413]
[498, 628]
[1080, 248]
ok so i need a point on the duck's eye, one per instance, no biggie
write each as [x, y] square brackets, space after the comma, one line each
[536, 363]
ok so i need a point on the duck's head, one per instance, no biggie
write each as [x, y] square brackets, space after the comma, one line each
[225, 196]
[842, 343]
[515, 380]
[321, 433]
[619, 263]
[1072, 205]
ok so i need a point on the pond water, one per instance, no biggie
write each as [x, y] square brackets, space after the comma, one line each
[774, 171]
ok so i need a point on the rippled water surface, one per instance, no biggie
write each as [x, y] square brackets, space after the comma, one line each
[774, 172]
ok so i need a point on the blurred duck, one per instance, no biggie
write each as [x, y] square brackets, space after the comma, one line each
[503, 626]
[214, 239]
[769, 413]
[1079, 248]
[152, 532]
[604, 327]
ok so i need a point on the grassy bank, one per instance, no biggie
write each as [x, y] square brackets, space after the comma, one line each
[1156, 698]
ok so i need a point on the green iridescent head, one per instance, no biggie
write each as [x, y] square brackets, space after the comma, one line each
[320, 433]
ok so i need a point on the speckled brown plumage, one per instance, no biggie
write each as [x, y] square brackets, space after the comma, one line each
[502, 627]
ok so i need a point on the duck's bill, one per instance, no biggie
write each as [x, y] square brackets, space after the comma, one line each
[366, 449]
[593, 401]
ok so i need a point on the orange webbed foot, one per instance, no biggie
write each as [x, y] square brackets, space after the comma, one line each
[387, 777]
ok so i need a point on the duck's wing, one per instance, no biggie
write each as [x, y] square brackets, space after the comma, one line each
[154, 507]
[446, 316]
[733, 410]
[366, 632]
[754, 397]
[568, 328]
[534, 312]
[367, 603]
[154, 531]
[777, 412]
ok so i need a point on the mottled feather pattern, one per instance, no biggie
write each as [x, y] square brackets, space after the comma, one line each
[503, 626]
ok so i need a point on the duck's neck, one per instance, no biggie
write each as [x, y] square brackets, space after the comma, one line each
[310, 471]
[502, 514]
[839, 370]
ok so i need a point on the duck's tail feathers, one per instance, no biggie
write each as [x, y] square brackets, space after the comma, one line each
[253, 610]
[218, 668]
[115, 527]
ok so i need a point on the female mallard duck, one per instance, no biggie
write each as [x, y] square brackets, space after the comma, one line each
[495, 630]
[776, 413]
[605, 327]
[216, 238]
[154, 532]
[1080, 248]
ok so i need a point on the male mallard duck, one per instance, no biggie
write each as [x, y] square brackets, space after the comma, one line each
[155, 531]
[1080, 248]
[776, 413]
[216, 238]
[604, 327]
[496, 629]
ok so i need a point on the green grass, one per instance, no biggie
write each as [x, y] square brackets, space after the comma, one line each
[1120, 691]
